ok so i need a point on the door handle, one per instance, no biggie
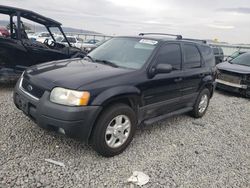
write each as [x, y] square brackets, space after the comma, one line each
[178, 79]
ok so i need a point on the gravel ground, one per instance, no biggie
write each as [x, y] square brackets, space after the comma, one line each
[181, 152]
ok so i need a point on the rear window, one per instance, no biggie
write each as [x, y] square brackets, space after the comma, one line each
[192, 57]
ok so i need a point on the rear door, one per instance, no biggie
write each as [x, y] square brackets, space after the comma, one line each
[193, 72]
[162, 93]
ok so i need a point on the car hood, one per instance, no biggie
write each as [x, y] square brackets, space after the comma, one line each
[71, 73]
[234, 68]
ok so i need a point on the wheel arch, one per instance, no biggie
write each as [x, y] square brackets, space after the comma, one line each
[124, 95]
[209, 83]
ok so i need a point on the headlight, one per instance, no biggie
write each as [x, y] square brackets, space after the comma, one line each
[69, 97]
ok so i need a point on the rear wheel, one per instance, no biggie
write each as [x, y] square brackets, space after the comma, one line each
[114, 130]
[201, 104]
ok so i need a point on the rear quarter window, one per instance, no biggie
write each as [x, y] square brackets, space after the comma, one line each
[207, 54]
[192, 57]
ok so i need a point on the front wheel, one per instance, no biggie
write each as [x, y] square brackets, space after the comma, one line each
[201, 104]
[114, 130]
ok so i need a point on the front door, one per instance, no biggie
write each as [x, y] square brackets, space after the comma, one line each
[162, 93]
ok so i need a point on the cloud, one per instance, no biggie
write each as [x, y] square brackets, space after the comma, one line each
[240, 10]
[216, 26]
[192, 18]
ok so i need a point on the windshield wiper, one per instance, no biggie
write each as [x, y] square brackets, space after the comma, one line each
[106, 62]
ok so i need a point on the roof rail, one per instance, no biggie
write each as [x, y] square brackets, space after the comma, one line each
[196, 40]
[172, 35]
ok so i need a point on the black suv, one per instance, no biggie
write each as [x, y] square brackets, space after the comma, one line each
[125, 82]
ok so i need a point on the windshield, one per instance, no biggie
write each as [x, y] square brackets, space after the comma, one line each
[125, 52]
[243, 59]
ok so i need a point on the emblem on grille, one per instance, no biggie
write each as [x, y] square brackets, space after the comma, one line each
[29, 88]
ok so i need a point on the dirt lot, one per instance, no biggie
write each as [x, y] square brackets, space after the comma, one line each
[181, 152]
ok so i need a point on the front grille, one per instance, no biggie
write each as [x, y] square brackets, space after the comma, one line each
[32, 89]
[233, 78]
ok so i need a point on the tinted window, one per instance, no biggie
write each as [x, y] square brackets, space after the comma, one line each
[170, 54]
[192, 56]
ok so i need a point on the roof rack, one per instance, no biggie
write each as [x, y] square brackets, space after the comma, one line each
[172, 35]
[196, 40]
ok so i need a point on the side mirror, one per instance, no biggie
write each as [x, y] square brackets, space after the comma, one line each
[163, 68]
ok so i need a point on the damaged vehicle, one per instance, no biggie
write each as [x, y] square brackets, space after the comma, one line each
[124, 83]
[234, 75]
[17, 52]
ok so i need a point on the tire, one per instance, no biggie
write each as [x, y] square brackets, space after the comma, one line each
[199, 110]
[110, 127]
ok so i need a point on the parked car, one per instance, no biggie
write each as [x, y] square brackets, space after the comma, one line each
[77, 42]
[92, 41]
[219, 54]
[92, 47]
[4, 32]
[123, 83]
[234, 75]
[28, 52]
[89, 45]
[40, 37]
[74, 41]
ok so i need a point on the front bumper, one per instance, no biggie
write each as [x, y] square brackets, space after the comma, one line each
[77, 122]
[240, 86]
[233, 87]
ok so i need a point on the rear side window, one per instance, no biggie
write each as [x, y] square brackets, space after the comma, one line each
[206, 52]
[208, 55]
[170, 54]
[192, 57]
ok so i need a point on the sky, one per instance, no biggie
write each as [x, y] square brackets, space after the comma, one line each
[225, 20]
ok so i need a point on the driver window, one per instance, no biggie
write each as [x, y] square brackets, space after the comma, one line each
[170, 54]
